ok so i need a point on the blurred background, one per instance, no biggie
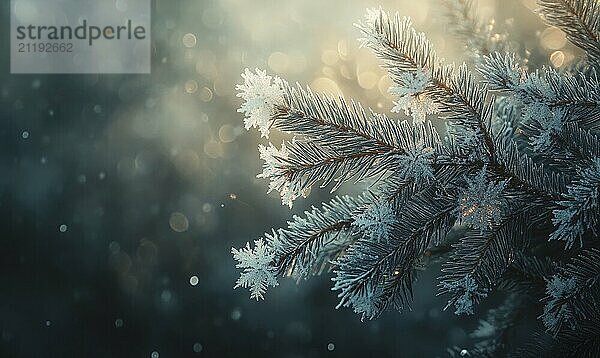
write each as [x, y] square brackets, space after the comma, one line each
[122, 195]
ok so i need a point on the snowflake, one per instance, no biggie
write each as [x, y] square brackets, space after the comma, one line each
[556, 310]
[377, 221]
[549, 122]
[261, 93]
[481, 202]
[416, 163]
[368, 24]
[569, 226]
[274, 170]
[470, 294]
[577, 213]
[413, 101]
[372, 15]
[559, 287]
[258, 272]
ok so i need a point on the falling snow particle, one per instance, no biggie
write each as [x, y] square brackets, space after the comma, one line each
[154, 355]
[194, 280]
[62, 228]
[25, 134]
[118, 323]
[197, 347]
[330, 347]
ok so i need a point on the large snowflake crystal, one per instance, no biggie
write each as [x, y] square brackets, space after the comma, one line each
[549, 122]
[580, 211]
[413, 101]
[261, 93]
[557, 310]
[377, 221]
[481, 203]
[416, 162]
[258, 270]
[470, 294]
[275, 172]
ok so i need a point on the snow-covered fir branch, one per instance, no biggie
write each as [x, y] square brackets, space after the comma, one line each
[488, 195]
[579, 19]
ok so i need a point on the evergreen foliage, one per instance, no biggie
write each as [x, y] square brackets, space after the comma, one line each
[517, 167]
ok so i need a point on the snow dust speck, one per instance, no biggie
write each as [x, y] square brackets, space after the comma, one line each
[25, 134]
[154, 355]
[194, 280]
[63, 228]
[118, 323]
[330, 347]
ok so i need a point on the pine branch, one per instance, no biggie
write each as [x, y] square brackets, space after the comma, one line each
[573, 294]
[309, 243]
[335, 123]
[381, 272]
[579, 211]
[525, 174]
[461, 101]
[479, 260]
[527, 274]
[545, 90]
[579, 19]
[403, 49]
[339, 142]
[581, 343]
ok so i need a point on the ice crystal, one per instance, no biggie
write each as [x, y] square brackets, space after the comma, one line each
[481, 203]
[569, 226]
[368, 22]
[416, 163]
[258, 270]
[549, 122]
[555, 313]
[261, 93]
[275, 172]
[469, 291]
[376, 222]
[412, 99]
[500, 170]
[579, 212]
